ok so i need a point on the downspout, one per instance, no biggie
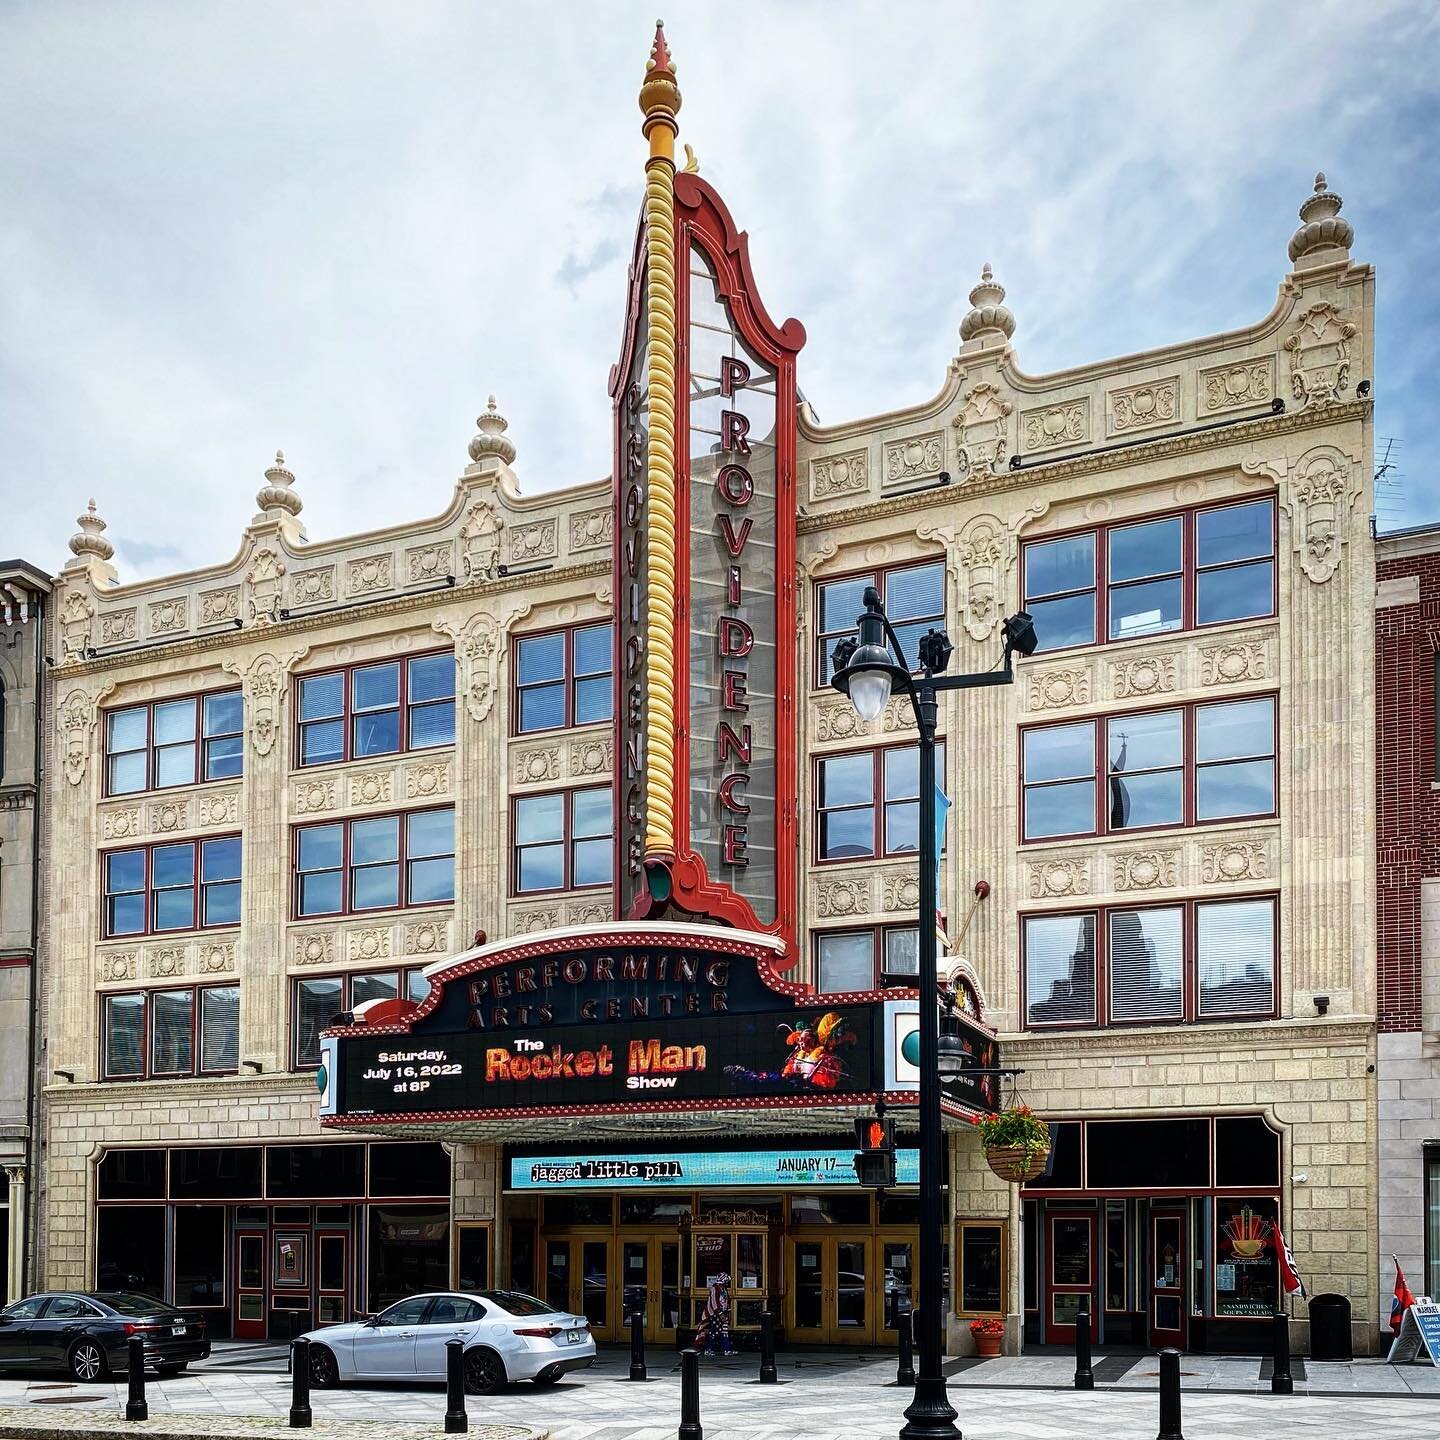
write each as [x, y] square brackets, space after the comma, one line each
[30, 1234]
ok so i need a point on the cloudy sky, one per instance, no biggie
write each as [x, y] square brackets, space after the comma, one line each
[333, 228]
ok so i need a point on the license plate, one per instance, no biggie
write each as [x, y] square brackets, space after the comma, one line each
[572, 1337]
[177, 1330]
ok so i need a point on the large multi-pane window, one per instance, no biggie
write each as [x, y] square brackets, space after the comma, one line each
[1152, 576]
[1159, 964]
[913, 596]
[564, 678]
[317, 999]
[369, 710]
[1185, 766]
[868, 802]
[376, 862]
[188, 885]
[854, 960]
[174, 742]
[563, 840]
[184, 1031]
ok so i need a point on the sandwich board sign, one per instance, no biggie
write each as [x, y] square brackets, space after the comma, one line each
[1420, 1330]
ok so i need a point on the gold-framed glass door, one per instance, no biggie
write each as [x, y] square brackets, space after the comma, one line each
[650, 1270]
[835, 1293]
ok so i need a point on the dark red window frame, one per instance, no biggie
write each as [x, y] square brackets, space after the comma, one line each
[1190, 973]
[1190, 569]
[347, 868]
[197, 886]
[568, 840]
[1188, 767]
[201, 742]
[404, 706]
[568, 679]
[879, 976]
[147, 1072]
[878, 803]
[404, 973]
[878, 575]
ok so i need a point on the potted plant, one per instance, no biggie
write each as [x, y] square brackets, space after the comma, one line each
[1016, 1144]
[987, 1335]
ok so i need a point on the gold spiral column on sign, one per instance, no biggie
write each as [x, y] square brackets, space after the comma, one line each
[660, 101]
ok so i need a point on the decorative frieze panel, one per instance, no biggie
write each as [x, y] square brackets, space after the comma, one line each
[917, 456]
[982, 432]
[843, 896]
[265, 588]
[216, 957]
[591, 757]
[1241, 385]
[369, 574]
[117, 626]
[899, 891]
[535, 541]
[1057, 878]
[315, 796]
[427, 937]
[313, 947]
[1138, 407]
[169, 616]
[1058, 688]
[1052, 426]
[587, 912]
[592, 529]
[219, 607]
[833, 717]
[532, 921]
[77, 615]
[313, 587]
[167, 816]
[1234, 661]
[165, 962]
[120, 824]
[480, 543]
[427, 781]
[1156, 869]
[372, 787]
[1139, 676]
[429, 564]
[371, 942]
[535, 766]
[1223, 861]
[118, 966]
[1319, 350]
[840, 475]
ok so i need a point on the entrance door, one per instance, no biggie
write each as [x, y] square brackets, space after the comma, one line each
[579, 1276]
[331, 1273]
[650, 1270]
[831, 1300]
[1167, 1279]
[1069, 1275]
[899, 1279]
[249, 1284]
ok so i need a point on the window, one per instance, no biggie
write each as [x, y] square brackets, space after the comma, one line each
[185, 1031]
[157, 889]
[1187, 766]
[316, 1000]
[1153, 576]
[564, 678]
[563, 840]
[848, 810]
[377, 862]
[980, 1245]
[1432, 1220]
[368, 710]
[856, 960]
[1202, 960]
[913, 596]
[174, 742]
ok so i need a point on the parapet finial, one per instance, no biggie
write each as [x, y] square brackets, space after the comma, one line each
[988, 321]
[90, 538]
[277, 495]
[492, 439]
[660, 98]
[1323, 236]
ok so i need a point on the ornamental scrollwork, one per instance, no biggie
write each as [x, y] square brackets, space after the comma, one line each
[1146, 869]
[1319, 349]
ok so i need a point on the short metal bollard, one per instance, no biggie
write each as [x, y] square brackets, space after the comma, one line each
[637, 1346]
[767, 1349]
[1281, 1381]
[905, 1328]
[300, 1384]
[1169, 1396]
[135, 1406]
[1084, 1375]
[690, 1428]
[456, 1420]
[293, 1322]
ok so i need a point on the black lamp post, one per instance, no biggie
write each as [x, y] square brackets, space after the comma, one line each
[867, 671]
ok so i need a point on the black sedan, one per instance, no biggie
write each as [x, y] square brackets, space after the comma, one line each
[87, 1333]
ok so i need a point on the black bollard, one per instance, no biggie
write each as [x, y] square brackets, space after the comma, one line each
[1084, 1375]
[300, 1384]
[1169, 1396]
[767, 1349]
[1281, 1381]
[293, 1322]
[456, 1421]
[637, 1346]
[690, 1428]
[135, 1406]
[905, 1327]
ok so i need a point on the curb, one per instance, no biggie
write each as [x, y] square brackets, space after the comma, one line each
[19, 1423]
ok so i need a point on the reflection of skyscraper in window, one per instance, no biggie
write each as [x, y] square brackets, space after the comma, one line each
[1119, 794]
[1072, 994]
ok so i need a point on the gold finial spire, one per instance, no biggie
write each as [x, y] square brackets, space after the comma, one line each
[660, 98]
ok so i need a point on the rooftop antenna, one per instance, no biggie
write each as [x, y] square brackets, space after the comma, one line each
[1389, 487]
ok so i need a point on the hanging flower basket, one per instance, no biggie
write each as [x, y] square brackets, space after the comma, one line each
[1016, 1144]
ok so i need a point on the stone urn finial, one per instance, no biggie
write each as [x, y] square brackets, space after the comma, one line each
[492, 439]
[278, 492]
[1323, 235]
[988, 322]
[90, 540]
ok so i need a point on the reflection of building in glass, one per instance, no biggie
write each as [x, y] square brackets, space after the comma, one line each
[1119, 795]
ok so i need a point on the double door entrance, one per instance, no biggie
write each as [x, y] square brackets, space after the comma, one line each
[607, 1279]
[848, 1289]
[283, 1268]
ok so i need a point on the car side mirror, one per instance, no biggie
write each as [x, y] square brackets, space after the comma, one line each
[372, 1322]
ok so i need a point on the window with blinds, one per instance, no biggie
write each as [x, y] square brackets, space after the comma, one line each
[1147, 964]
[1060, 969]
[1235, 957]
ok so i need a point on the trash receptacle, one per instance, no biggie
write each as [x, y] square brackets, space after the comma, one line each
[1330, 1328]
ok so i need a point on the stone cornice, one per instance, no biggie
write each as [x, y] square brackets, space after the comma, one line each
[1202, 1039]
[220, 1087]
[229, 639]
[1144, 452]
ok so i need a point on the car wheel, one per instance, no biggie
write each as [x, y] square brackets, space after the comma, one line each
[324, 1372]
[86, 1360]
[484, 1372]
[545, 1377]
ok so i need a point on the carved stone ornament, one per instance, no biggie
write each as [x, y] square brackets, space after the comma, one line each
[1142, 675]
[536, 541]
[836, 719]
[77, 718]
[531, 922]
[1239, 660]
[590, 757]
[429, 564]
[1058, 688]
[1138, 407]
[590, 529]
[372, 943]
[311, 797]
[217, 958]
[76, 615]
[265, 588]
[1067, 423]
[1318, 502]
[168, 617]
[847, 474]
[119, 965]
[1146, 869]
[982, 429]
[117, 626]
[847, 896]
[1050, 879]
[169, 815]
[120, 824]
[909, 459]
[480, 543]
[1319, 349]
[587, 912]
[264, 680]
[1239, 385]
[314, 947]
[219, 809]
[369, 574]
[477, 654]
[375, 787]
[1229, 860]
[985, 552]
[900, 891]
[534, 766]
[428, 937]
[424, 782]
[218, 607]
[165, 962]
[313, 587]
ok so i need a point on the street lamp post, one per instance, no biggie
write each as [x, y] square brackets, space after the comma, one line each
[867, 671]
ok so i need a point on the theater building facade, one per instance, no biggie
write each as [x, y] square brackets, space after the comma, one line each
[505, 898]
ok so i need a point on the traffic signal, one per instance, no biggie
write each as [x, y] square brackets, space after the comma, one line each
[875, 1158]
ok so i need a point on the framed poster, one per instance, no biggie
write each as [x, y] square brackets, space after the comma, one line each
[290, 1254]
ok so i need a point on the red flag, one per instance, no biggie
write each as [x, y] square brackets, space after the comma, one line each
[1290, 1280]
[1403, 1300]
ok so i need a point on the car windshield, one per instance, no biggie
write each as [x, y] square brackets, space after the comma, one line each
[127, 1302]
[516, 1302]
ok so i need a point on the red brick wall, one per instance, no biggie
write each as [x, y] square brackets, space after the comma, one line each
[1407, 829]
